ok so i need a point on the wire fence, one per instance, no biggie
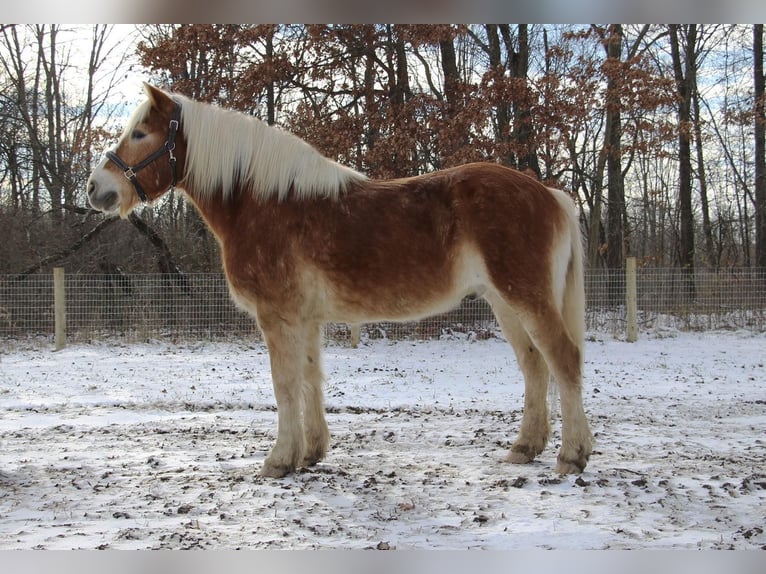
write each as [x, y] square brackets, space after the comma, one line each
[707, 299]
[197, 306]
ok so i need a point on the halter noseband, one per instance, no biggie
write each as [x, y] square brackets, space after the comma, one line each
[167, 148]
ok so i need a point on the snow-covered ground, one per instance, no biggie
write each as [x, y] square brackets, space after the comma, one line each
[158, 445]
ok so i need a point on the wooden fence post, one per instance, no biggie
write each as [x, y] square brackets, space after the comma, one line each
[631, 299]
[59, 304]
[356, 334]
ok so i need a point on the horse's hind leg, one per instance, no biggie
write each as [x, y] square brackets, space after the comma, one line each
[535, 427]
[316, 431]
[564, 358]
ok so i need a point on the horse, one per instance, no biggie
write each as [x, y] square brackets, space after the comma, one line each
[306, 241]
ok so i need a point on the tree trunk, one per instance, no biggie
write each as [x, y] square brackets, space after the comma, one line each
[270, 99]
[513, 119]
[451, 75]
[685, 73]
[615, 255]
[403, 162]
[372, 130]
[760, 148]
[450, 147]
[707, 228]
[502, 109]
[596, 234]
[522, 107]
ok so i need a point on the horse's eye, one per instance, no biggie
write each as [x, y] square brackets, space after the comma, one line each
[138, 135]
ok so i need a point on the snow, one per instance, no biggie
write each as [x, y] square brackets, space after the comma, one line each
[158, 445]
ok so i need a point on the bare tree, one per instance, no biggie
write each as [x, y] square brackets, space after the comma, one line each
[508, 53]
[760, 147]
[612, 38]
[683, 42]
[54, 105]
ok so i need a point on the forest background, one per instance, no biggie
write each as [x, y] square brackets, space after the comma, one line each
[657, 131]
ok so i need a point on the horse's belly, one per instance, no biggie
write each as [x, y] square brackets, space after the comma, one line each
[406, 296]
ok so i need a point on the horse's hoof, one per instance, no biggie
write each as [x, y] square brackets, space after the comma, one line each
[522, 453]
[518, 457]
[573, 460]
[275, 471]
[571, 466]
[312, 460]
[315, 455]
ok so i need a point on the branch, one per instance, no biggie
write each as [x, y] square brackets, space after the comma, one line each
[479, 42]
[167, 263]
[51, 259]
[427, 69]
[727, 152]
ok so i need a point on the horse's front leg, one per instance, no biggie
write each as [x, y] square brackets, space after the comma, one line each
[285, 344]
[315, 424]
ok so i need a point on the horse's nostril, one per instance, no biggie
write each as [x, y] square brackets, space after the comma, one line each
[109, 200]
[91, 188]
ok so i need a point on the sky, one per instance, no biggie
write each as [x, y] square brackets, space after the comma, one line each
[130, 74]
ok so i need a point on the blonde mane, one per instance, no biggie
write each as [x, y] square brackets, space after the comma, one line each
[226, 148]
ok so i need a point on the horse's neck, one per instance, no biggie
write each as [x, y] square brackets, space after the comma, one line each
[221, 214]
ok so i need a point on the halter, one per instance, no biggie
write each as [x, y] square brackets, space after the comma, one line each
[168, 147]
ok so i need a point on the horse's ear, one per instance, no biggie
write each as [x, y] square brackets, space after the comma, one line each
[156, 96]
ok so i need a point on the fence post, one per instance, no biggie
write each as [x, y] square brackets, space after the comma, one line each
[59, 304]
[631, 299]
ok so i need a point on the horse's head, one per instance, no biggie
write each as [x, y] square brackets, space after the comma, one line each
[148, 158]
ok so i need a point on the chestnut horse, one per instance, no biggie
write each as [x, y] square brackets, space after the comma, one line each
[306, 241]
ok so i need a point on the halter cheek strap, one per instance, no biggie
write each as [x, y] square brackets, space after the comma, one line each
[130, 172]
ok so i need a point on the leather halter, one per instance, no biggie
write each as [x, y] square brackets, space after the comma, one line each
[167, 148]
